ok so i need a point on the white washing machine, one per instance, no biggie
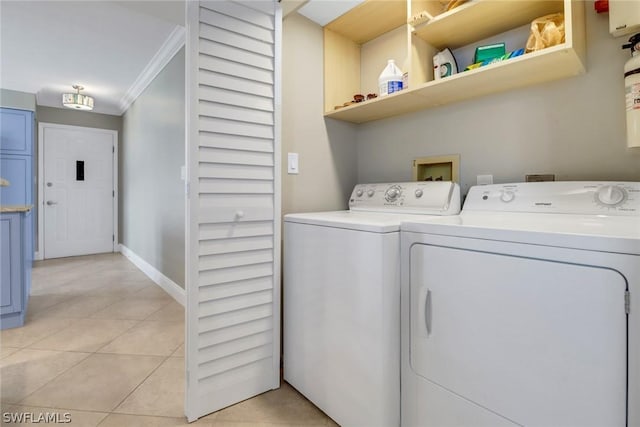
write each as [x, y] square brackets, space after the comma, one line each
[524, 310]
[341, 299]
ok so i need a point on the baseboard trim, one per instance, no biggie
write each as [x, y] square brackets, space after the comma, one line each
[171, 287]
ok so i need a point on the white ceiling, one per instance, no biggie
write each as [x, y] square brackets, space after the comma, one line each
[47, 46]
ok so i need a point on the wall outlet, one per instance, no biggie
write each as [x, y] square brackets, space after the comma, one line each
[484, 179]
[292, 164]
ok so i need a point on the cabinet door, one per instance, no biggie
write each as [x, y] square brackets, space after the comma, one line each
[540, 342]
[18, 171]
[10, 261]
[16, 131]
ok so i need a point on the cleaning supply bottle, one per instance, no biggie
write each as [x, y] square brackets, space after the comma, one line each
[632, 91]
[390, 79]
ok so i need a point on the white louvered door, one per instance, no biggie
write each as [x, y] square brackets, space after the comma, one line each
[233, 209]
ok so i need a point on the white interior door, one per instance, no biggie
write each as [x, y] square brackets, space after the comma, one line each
[233, 208]
[78, 191]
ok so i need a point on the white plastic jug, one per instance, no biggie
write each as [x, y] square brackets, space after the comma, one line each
[390, 79]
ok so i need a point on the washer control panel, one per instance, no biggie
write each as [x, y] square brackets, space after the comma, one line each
[432, 197]
[575, 197]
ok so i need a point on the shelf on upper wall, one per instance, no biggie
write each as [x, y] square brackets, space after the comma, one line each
[545, 65]
[370, 19]
[479, 19]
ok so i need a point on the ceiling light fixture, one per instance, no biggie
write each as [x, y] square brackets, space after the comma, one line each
[77, 101]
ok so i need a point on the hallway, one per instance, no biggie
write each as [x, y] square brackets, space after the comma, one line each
[104, 344]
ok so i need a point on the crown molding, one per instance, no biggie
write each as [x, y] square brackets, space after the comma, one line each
[169, 48]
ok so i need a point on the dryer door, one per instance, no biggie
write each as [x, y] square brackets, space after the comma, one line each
[540, 342]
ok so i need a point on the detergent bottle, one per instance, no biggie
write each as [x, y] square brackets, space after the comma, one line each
[390, 79]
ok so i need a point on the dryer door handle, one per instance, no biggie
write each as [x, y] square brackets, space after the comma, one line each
[427, 311]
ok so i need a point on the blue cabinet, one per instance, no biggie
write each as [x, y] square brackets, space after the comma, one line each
[18, 170]
[15, 272]
[16, 156]
[17, 228]
[16, 132]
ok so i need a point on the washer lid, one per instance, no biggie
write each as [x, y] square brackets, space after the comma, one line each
[374, 222]
[620, 234]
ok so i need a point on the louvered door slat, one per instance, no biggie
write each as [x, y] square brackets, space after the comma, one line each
[230, 23]
[226, 290]
[239, 99]
[234, 318]
[232, 112]
[229, 186]
[225, 155]
[249, 16]
[220, 50]
[227, 260]
[228, 231]
[220, 35]
[236, 83]
[233, 292]
[231, 333]
[230, 68]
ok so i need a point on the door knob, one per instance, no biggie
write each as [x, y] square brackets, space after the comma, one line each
[51, 203]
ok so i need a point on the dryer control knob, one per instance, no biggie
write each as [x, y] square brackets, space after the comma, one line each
[507, 196]
[611, 195]
[370, 193]
[359, 193]
[419, 193]
[392, 193]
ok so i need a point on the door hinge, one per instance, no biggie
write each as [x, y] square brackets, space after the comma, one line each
[627, 302]
[113, 237]
[113, 149]
[113, 193]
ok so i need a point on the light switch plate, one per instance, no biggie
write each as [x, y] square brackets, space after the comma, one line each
[292, 163]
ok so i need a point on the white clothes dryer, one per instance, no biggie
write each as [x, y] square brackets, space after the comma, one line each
[524, 310]
[341, 299]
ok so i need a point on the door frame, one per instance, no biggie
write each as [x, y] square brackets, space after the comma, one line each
[39, 254]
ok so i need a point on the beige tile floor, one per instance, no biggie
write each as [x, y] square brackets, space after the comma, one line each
[105, 344]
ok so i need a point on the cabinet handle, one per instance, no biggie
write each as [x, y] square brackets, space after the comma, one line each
[51, 203]
[427, 311]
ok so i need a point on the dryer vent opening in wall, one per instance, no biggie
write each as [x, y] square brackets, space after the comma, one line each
[79, 170]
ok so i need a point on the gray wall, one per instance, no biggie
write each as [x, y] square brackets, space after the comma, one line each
[152, 200]
[18, 100]
[327, 150]
[574, 127]
[66, 116]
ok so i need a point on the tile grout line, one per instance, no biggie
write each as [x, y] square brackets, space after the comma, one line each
[57, 376]
[140, 383]
[76, 295]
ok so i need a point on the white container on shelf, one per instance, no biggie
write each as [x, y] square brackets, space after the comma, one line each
[390, 79]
